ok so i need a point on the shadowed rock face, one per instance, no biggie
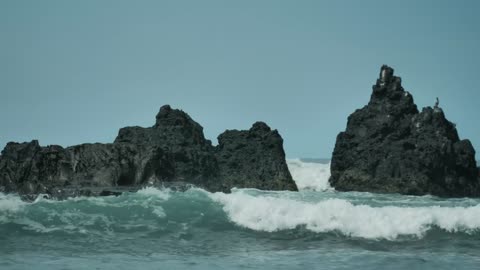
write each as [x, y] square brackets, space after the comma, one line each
[172, 152]
[249, 158]
[389, 146]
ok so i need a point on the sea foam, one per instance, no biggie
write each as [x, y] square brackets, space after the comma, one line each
[310, 176]
[163, 194]
[10, 203]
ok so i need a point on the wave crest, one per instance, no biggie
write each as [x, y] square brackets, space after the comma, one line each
[273, 214]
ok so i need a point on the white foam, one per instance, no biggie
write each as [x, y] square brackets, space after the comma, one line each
[163, 194]
[11, 203]
[270, 214]
[159, 212]
[310, 176]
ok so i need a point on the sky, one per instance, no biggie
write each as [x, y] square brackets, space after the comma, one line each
[75, 72]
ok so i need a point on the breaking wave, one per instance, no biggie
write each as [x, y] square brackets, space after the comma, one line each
[310, 175]
[166, 213]
[266, 213]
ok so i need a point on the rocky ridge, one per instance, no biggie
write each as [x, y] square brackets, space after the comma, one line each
[173, 152]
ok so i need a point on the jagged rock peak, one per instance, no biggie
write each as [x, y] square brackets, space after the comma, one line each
[386, 75]
[388, 97]
[387, 81]
[172, 126]
[389, 146]
[173, 117]
[261, 127]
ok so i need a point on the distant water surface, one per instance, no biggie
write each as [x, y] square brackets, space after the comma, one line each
[316, 228]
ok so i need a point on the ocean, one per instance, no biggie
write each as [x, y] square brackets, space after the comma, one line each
[316, 228]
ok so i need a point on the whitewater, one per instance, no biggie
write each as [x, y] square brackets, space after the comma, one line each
[315, 228]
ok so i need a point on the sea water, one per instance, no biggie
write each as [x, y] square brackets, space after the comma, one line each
[316, 228]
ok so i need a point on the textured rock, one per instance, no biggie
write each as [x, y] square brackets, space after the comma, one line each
[173, 152]
[250, 159]
[389, 146]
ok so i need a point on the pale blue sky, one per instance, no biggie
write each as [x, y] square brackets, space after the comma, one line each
[77, 71]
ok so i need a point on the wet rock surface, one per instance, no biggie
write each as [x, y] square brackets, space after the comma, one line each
[390, 146]
[172, 153]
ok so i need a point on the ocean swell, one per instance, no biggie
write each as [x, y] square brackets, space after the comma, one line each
[167, 213]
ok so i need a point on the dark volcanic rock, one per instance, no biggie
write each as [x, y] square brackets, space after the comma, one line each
[174, 152]
[250, 159]
[174, 149]
[389, 146]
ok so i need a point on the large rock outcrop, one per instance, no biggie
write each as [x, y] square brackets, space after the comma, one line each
[253, 158]
[172, 152]
[389, 146]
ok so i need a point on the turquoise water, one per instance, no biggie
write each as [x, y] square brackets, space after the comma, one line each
[316, 228]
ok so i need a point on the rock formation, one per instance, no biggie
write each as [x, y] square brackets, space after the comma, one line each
[173, 151]
[253, 158]
[389, 146]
